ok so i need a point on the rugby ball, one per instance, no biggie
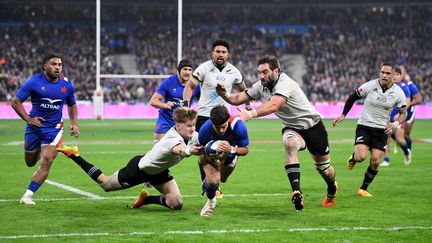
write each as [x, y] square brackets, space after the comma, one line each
[210, 149]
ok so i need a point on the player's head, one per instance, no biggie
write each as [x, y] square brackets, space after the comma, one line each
[397, 77]
[403, 72]
[219, 117]
[184, 69]
[52, 66]
[386, 74]
[185, 119]
[268, 70]
[220, 52]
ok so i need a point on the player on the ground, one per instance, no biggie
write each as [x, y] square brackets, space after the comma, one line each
[303, 127]
[49, 91]
[234, 142]
[380, 96]
[179, 142]
[207, 75]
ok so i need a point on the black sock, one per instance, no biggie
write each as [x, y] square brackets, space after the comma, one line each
[156, 200]
[293, 172]
[91, 170]
[203, 175]
[368, 178]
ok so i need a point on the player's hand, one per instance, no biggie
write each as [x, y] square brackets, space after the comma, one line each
[338, 120]
[248, 106]
[221, 90]
[389, 128]
[196, 149]
[36, 121]
[168, 105]
[74, 131]
[224, 147]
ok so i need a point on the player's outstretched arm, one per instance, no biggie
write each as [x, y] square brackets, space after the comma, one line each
[233, 99]
[189, 89]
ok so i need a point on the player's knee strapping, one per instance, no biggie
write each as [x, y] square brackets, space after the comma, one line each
[291, 140]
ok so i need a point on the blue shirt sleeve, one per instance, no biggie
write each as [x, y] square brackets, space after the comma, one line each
[162, 90]
[25, 91]
[70, 99]
[205, 133]
[413, 89]
[241, 134]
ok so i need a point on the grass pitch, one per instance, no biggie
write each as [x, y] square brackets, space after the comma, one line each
[256, 204]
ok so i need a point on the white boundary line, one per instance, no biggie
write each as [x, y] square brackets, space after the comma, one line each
[134, 197]
[203, 232]
[73, 189]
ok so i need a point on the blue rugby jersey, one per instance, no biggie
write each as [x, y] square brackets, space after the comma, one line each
[47, 97]
[236, 133]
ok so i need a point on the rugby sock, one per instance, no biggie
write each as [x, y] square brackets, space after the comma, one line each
[91, 170]
[210, 189]
[368, 178]
[387, 159]
[160, 200]
[409, 143]
[32, 188]
[202, 173]
[293, 172]
[404, 148]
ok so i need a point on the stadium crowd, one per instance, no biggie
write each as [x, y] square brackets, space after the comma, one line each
[342, 45]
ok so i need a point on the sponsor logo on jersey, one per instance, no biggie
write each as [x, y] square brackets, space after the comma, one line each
[382, 99]
[51, 104]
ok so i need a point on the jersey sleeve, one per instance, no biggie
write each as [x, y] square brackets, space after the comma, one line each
[254, 92]
[241, 134]
[238, 78]
[70, 99]
[406, 91]
[365, 88]
[205, 132]
[200, 72]
[401, 101]
[413, 88]
[162, 90]
[25, 91]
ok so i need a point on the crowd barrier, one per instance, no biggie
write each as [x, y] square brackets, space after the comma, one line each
[145, 111]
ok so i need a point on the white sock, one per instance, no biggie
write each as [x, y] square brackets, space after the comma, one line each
[28, 193]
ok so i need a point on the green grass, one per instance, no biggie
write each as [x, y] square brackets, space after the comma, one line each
[256, 205]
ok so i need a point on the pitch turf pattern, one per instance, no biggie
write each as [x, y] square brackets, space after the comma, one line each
[256, 204]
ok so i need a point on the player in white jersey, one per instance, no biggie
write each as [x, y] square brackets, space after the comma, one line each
[380, 96]
[208, 74]
[179, 142]
[303, 127]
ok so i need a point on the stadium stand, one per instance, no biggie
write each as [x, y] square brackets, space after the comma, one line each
[340, 43]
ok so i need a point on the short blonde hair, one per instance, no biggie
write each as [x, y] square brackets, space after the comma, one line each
[184, 114]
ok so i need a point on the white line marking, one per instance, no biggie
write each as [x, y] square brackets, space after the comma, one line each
[73, 189]
[134, 197]
[202, 232]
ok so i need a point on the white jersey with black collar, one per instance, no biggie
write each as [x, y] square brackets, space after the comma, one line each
[378, 103]
[297, 112]
[161, 157]
[208, 76]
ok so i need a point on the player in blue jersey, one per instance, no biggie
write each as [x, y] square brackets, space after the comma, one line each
[416, 99]
[169, 96]
[233, 133]
[398, 133]
[48, 91]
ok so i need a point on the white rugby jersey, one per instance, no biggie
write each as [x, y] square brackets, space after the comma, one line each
[209, 75]
[297, 112]
[161, 157]
[378, 104]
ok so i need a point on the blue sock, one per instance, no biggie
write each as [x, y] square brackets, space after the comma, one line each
[387, 159]
[405, 148]
[33, 186]
[409, 143]
[210, 190]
